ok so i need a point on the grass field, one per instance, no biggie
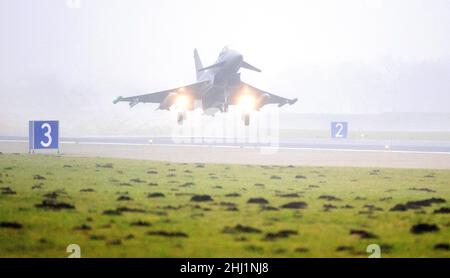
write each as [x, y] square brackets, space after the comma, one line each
[132, 208]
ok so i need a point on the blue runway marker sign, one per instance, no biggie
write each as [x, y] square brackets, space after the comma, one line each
[43, 135]
[339, 129]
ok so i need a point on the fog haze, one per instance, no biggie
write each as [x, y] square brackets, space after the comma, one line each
[63, 62]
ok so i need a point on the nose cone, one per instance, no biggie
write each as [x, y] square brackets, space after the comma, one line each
[239, 58]
[236, 61]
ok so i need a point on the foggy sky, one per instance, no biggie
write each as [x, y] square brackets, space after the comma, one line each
[346, 57]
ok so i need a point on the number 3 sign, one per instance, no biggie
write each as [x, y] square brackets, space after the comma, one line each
[43, 135]
[339, 129]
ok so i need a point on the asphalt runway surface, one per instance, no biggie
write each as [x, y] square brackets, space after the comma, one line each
[308, 152]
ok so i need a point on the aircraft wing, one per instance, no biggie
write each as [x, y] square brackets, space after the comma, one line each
[261, 97]
[166, 98]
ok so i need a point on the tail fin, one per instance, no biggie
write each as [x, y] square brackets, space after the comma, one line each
[198, 64]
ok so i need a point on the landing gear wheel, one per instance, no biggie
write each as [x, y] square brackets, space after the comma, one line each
[225, 108]
[181, 117]
[247, 119]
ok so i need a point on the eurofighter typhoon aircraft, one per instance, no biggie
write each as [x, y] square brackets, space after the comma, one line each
[218, 86]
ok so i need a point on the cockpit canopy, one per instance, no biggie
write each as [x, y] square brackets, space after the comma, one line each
[224, 51]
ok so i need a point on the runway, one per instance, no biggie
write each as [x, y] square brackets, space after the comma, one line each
[307, 152]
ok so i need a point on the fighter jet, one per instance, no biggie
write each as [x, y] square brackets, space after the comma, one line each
[218, 86]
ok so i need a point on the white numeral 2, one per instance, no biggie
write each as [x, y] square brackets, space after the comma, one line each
[375, 250]
[75, 250]
[340, 127]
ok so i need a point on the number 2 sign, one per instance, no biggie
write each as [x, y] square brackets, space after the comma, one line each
[43, 135]
[339, 129]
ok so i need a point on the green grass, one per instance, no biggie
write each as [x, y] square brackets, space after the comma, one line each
[46, 233]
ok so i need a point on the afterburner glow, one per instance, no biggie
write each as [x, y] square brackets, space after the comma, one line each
[182, 101]
[247, 102]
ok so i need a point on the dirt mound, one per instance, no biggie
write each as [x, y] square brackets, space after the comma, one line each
[10, 225]
[301, 250]
[37, 186]
[294, 205]
[227, 204]
[137, 180]
[187, 184]
[114, 242]
[82, 227]
[127, 209]
[201, 198]
[269, 208]
[279, 234]
[170, 207]
[240, 229]
[7, 191]
[444, 210]
[257, 200]
[442, 246]
[54, 205]
[328, 207]
[424, 228]
[112, 212]
[233, 195]
[97, 237]
[124, 198]
[140, 223]
[329, 198]
[106, 165]
[424, 189]
[156, 195]
[417, 204]
[167, 234]
[51, 195]
[342, 248]
[370, 207]
[129, 236]
[363, 234]
[289, 195]
[39, 177]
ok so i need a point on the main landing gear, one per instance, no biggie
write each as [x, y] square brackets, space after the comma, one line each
[246, 118]
[181, 117]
